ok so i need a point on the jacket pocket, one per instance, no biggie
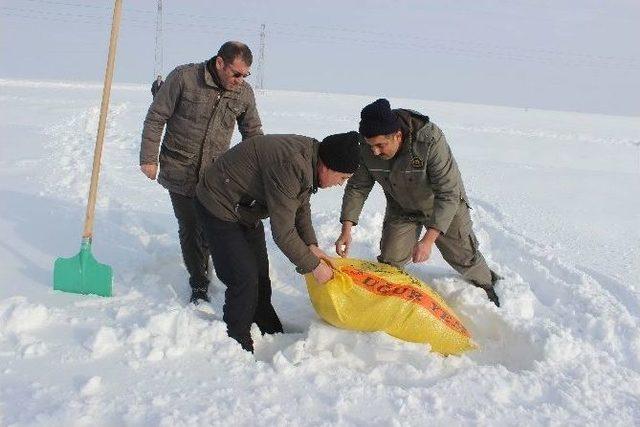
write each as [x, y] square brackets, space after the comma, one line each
[250, 212]
[231, 113]
[176, 166]
[382, 177]
[192, 105]
[466, 235]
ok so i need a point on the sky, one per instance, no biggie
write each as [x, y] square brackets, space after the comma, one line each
[573, 55]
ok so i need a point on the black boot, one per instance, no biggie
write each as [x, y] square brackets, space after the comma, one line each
[198, 294]
[495, 277]
[244, 340]
[267, 320]
[491, 294]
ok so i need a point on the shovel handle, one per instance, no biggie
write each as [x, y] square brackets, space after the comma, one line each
[104, 108]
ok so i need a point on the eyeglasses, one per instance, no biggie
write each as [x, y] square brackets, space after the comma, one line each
[238, 74]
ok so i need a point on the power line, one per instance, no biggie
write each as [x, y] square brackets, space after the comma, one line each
[158, 66]
[327, 35]
[261, 58]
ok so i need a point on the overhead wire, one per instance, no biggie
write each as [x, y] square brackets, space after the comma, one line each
[332, 34]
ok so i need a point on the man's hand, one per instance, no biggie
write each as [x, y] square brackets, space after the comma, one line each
[344, 241]
[323, 273]
[321, 254]
[422, 250]
[150, 170]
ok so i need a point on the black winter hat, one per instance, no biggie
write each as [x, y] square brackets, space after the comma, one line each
[378, 119]
[341, 152]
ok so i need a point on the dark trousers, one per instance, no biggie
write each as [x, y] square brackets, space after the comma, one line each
[240, 258]
[195, 250]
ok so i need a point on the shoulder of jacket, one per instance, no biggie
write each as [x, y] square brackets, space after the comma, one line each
[428, 134]
[414, 113]
[292, 169]
[246, 92]
[186, 67]
[180, 70]
[300, 159]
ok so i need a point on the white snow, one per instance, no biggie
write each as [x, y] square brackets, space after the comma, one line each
[556, 211]
[92, 387]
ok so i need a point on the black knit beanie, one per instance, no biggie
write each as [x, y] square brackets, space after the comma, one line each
[378, 119]
[341, 152]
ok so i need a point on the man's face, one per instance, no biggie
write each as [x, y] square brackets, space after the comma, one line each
[232, 74]
[385, 146]
[330, 178]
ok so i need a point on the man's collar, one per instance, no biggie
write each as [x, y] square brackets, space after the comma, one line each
[405, 144]
[211, 76]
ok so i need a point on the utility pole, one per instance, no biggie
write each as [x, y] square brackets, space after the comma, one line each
[261, 59]
[157, 71]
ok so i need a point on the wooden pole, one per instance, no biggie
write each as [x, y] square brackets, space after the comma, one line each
[104, 108]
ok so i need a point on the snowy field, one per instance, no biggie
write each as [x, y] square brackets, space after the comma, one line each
[556, 210]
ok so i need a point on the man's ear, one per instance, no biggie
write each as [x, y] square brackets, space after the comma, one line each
[322, 168]
[219, 63]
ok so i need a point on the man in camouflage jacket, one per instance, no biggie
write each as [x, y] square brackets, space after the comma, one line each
[199, 104]
[410, 158]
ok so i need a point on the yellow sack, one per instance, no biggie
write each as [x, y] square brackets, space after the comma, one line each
[369, 296]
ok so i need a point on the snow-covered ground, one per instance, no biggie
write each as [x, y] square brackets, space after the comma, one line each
[556, 209]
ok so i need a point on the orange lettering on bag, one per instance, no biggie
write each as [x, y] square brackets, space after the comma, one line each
[383, 287]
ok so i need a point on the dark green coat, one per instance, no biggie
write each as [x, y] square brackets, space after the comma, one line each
[200, 116]
[268, 176]
[421, 182]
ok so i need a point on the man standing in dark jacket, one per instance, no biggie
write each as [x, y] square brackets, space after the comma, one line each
[268, 176]
[155, 86]
[199, 104]
[409, 157]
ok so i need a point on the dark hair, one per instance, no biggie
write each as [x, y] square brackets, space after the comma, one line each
[232, 50]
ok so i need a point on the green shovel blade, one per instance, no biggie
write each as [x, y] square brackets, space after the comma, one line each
[82, 274]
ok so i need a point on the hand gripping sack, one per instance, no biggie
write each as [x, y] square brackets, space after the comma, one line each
[369, 296]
